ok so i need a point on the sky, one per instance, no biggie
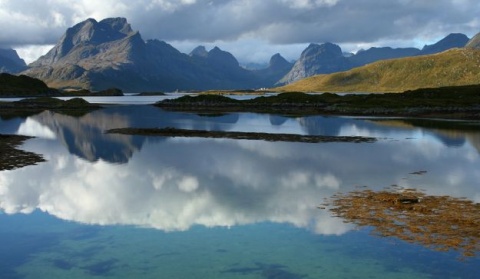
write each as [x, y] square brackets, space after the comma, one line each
[252, 30]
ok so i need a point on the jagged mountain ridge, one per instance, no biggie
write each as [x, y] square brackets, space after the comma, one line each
[328, 58]
[98, 55]
[454, 67]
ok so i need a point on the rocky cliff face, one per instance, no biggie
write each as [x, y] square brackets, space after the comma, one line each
[85, 40]
[317, 59]
[10, 62]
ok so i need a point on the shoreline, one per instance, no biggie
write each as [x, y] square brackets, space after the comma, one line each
[11, 157]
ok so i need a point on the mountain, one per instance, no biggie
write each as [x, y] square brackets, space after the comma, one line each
[255, 66]
[474, 42]
[454, 40]
[219, 69]
[277, 68]
[109, 53]
[363, 57]
[328, 58]
[99, 55]
[450, 68]
[199, 51]
[10, 62]
[317, 59]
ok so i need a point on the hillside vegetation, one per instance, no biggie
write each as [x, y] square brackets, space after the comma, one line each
[450, 68]
[23, 86]
[446, 102]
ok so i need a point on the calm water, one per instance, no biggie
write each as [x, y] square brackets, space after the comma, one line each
[131, 99]
[113, 206]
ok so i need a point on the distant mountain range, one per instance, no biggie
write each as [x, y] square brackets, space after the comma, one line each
[453, 67]
[109, 53]
[328, 58]
[453, 61]
[98, 55]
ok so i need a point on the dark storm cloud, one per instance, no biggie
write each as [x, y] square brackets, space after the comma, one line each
[350, 23]
[275, 21]
[289, 21]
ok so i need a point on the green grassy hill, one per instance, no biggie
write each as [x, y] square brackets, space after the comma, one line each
[450, 68]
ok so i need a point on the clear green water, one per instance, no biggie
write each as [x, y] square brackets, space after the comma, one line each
[111, 206]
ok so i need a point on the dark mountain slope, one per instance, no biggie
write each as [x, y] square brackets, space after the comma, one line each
[10, 62]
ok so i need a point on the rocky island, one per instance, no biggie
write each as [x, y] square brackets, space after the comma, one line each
[446, 102]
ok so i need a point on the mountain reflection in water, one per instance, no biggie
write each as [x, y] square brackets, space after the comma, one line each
[174, 184]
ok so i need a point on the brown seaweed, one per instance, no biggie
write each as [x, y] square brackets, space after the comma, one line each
[441, 223]
[13, 158]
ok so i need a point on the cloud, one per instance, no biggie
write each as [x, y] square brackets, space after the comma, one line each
[35, 129]
[275, 21]
[252, 30]
[176, 184]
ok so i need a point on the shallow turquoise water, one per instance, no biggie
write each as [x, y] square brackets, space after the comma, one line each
[112, 206]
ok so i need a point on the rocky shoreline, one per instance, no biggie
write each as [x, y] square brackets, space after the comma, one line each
[11, 157]
[459, 102]
[31, 106]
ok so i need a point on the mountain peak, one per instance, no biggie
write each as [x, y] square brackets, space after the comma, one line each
[199, 51]
[219, 57]
[317, 59]
[278, 62]
[88, 32]
[329, 49]
[10, 62]
[119, 24]
[452, 40]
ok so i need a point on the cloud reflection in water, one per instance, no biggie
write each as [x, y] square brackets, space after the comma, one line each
[174, 184]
